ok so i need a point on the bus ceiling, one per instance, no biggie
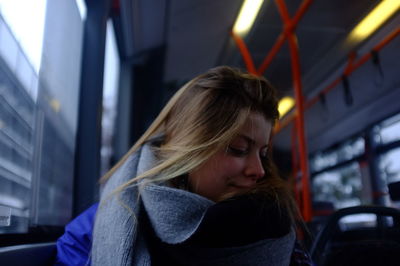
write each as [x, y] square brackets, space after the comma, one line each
[188, 37]
[341, 73]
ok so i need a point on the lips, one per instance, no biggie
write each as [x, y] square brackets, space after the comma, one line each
[247, 185]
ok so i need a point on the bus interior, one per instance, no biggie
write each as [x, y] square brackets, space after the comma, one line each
[107, 67]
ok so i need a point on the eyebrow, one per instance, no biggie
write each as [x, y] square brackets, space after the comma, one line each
[250, 140]
[247, 138]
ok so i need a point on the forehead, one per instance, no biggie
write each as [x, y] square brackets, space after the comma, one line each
[257, 128]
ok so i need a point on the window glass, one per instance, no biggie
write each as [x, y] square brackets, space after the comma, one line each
[57, 114]
[25, 20]
[355, 221]
[389, 130]
[341, 186]
[344, 152]
[389, 166]
[364, 220]
[38, 111]
[110, 94]
[18, 91]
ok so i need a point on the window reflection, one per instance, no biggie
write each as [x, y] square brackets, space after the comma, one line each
[37, 136]
[341, 186]
[389, 130]
[344, 152]
[17, 109]
[389, 166]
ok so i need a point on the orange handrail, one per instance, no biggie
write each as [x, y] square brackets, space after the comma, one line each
[275, 49]
[296, 74]
[245, 53]
[295, 169]
[302, 105]
[300, 127]
[282, 37]
[354, 66]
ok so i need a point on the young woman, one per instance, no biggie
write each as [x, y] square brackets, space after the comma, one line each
[198, 188]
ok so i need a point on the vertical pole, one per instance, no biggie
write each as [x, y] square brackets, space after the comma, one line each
[377, 183]
[88, 139]
[296, 74]
[293, 46]
[288, 34]
[295, 166]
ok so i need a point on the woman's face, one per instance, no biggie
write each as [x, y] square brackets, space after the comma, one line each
[238, 167]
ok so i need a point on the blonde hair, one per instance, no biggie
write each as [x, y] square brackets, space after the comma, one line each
[203, 117]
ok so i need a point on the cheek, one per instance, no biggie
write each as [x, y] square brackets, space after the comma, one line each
[231, 165]
[227, 169]
[214, 177]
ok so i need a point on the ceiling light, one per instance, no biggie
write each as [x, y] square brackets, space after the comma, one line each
[285, 104]
[246, 17]
[374, 19]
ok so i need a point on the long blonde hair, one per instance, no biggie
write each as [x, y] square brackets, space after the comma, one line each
[203, 117]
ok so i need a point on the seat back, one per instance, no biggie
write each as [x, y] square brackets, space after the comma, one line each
[29, 255]
[361, 247]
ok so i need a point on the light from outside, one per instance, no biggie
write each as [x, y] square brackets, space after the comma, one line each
[26, 20]
[374, 19]
[285, 104]
[247, 15]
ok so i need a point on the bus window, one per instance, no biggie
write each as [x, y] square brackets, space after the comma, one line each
[341, 186]
[18, 97]
[389, 130]
[39, 91]
[354, 221]
[389, 166]
[110, 95]
[337, 175]
[346, 151]
[387, 137]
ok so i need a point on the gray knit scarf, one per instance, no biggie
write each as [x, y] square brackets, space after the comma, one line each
[174, 215]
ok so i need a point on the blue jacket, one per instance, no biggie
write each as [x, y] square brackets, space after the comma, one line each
[73, 248]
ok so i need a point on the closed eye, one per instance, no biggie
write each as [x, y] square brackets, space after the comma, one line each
[237, 151]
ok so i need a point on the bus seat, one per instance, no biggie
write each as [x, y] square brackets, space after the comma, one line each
[42, 254]
[323, 208]
[359, 246]
[321, 212]
[365, 252]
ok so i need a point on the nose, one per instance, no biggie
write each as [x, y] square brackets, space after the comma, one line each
[254, 168]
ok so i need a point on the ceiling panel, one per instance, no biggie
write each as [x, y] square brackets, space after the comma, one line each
[196, 36]
[320, 32]
[375, 97]
[197, 32]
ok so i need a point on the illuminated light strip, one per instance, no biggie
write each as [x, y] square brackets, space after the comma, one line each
[285, 104]
[247, 15]
[374, 19]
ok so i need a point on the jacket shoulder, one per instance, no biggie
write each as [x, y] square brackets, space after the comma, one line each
[73, 247]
